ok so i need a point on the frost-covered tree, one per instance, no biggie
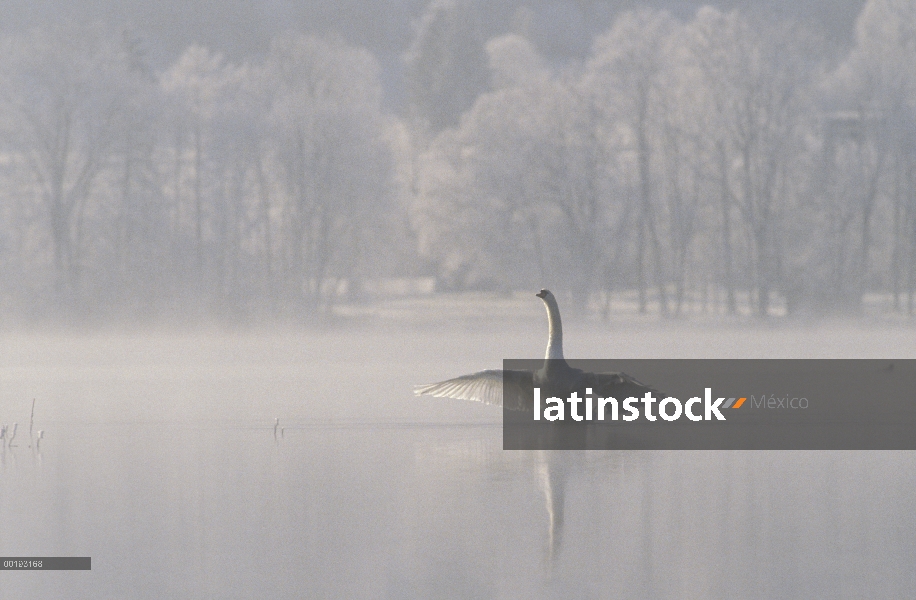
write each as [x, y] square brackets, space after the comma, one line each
[627, 74]
[508, 195]
[127, 268]
[331, 157]
[758, 83]
[64, 93]
[200, 86]
[870, 144]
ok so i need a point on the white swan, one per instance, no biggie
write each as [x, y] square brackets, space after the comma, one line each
[555, 377]
[560, 379]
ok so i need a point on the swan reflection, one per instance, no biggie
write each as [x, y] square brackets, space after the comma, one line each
[552, 469]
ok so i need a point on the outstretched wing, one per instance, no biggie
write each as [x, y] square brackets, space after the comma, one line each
[485, 386]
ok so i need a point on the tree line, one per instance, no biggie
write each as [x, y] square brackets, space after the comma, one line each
[721, 160]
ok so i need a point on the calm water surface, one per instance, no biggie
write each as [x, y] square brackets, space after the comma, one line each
[160, 462]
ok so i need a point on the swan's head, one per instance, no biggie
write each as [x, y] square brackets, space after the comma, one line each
[544, 294]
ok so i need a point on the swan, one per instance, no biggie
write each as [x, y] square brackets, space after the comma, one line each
[556, 377]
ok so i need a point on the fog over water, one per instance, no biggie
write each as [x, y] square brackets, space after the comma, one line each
[160, 461]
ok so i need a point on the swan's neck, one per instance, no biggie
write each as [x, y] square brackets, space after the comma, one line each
[555, 331]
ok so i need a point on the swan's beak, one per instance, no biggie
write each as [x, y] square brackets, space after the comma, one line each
[542, 294]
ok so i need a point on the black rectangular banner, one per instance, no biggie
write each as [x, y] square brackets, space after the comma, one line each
[709, 404]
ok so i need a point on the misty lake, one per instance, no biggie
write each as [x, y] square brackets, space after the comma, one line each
[160, 461]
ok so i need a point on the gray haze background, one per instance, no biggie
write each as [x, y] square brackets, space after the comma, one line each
[199, 161]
